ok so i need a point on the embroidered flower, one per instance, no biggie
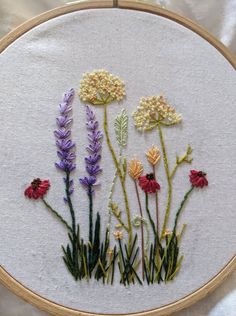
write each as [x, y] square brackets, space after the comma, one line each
[37, 189]
[110, 252]
[65, 145]
[118, 234]
[101, 87]
[152, 110]
[198, 178]
[94, 148]
[167, 233]
[135, 168]
[148, 183]
[153, 155]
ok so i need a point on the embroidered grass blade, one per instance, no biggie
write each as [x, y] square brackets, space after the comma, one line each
[121, 128]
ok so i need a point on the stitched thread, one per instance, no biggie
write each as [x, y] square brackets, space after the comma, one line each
[160, 258]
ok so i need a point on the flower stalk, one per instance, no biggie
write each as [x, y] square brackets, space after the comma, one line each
[149, 215]
[120, 175]
[65, 151]
[117, 213]
[172, 244]
[89, 182]
[157, 207]
[186, 196]
[141, 225]
[68, 198]
[63, 221]
[179, 161]
[169, 182]
[121, 132]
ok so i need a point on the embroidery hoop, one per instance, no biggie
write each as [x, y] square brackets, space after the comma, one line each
[6, 278]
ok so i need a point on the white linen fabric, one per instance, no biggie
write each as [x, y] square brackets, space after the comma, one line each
[43, 46]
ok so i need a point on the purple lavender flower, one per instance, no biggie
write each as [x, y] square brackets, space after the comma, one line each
[94, 148]
[64, 144]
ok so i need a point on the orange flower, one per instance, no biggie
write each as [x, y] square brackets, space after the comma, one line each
[153, 155]
[135, 168]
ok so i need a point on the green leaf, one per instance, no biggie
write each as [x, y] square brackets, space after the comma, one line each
[121, 128]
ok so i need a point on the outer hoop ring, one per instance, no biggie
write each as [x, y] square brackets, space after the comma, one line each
[43, 303]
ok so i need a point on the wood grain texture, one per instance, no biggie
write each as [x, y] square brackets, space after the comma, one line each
[15, 286]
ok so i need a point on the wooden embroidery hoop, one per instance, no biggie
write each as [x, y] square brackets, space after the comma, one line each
[15, 286]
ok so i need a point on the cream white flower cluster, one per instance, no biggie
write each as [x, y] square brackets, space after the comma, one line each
[100, 87]
[152, 110]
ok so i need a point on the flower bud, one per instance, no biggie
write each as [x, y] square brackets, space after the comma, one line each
[135, 168]
[153, 155]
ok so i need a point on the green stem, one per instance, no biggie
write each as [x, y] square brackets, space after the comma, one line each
[174, 229]
[166, 165]
[110, 196]
[174, 170]
[158, 244]
[179, 161]
[116, 162]
[149, 215]
[181, 207]
[142, 234]
[57, 215]
[74, 239]
[90, 215]
[90, 228]
[121, 222]
[124, 263]
[181, 232]
[70, 202]
[162, 260]
[171, 277]
[157, 208]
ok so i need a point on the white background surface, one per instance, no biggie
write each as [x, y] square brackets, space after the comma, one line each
[215, 310]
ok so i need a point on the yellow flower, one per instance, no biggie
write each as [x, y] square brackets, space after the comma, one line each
[118, 234]
[101, 87]
[110, 252]
[115, 209]
[135, 168]
[167, 233]
[152, 110]
[153, 155]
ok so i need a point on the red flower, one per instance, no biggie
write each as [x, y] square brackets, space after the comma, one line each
[37, 189]
[198, 178]
[148, 183]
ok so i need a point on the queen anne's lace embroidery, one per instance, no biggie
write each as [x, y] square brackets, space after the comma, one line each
[97, 255]
[99, 87]
[154, 110]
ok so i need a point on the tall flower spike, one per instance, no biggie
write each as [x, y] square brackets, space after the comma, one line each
[101, 87]
[153, 110]
[94, 149]
[64, 143]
